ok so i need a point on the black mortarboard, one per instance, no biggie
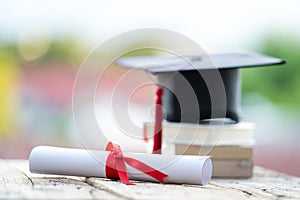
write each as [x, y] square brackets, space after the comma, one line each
[191, 83]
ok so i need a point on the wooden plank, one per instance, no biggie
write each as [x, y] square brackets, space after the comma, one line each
[143, 190]
[18, 183]
[265, 184]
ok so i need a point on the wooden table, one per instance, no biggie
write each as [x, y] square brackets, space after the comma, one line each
[18, 183]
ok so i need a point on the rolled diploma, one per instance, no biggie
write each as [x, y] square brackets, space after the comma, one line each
[79, 162]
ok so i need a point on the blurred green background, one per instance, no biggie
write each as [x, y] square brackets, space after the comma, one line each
[280, 85]
[42, 45]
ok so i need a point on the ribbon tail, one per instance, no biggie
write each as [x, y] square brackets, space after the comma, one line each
[121, 168]
[146, 169]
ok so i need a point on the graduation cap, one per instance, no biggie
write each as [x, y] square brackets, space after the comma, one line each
[208, 83]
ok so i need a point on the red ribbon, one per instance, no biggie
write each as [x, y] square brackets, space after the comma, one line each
[116, 166]
[158, 122]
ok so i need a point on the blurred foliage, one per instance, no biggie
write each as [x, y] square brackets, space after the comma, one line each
[63, 50]
[279, 84]
[142, 52]
[8, 52]
[60, 50]
[67, 50]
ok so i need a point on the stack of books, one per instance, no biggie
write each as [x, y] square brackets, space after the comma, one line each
[229, 145]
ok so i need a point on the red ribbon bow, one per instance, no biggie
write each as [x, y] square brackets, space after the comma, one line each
[116, 166]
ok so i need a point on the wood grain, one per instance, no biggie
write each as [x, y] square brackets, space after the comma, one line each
[18, 183]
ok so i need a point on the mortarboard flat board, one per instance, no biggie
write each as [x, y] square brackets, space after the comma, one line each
[190, 82]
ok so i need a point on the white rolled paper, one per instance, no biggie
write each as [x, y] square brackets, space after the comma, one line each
[78, 162]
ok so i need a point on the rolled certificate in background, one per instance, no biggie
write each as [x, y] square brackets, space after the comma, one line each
[79, 162]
